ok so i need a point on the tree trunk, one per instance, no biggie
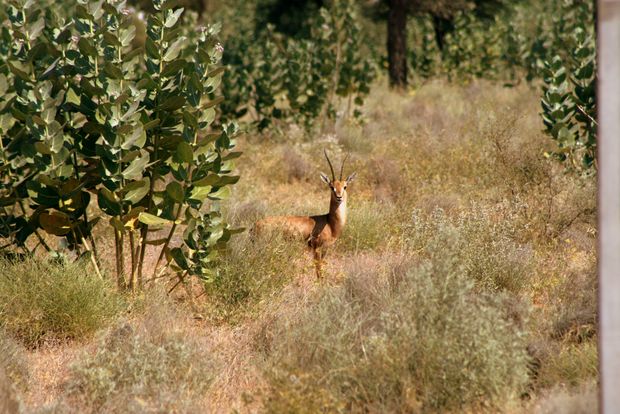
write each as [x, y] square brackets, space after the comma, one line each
[397, 43]
[442, 27]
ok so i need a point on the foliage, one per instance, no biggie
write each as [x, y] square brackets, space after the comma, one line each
[87, 117]
[299, 80]
[46, 301]
[374, 344]
[553, 41]
[510, 41]
[288, 17]
[149, 365]
[250, 273]
[569, 100]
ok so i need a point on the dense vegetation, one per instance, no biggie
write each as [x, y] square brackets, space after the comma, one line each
[465, 278]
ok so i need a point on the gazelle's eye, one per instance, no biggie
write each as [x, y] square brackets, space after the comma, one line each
[345, 187]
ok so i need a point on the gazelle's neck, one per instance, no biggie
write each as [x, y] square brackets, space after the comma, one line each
[337, 215]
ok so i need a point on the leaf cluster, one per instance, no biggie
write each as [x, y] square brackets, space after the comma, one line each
[88, 117]
[274, 78]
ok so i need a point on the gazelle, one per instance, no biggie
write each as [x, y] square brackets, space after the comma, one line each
[318, 232]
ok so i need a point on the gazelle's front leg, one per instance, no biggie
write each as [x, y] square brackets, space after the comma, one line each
[318, 261]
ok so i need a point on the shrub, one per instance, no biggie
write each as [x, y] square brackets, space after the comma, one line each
[85, 115]
[297, 167]
[409, 338]
[276, 78]
[42, 301]
[570, 364]
[368, 226]
[483, 240]
[351, 137]
[250, 272]
[151, 365]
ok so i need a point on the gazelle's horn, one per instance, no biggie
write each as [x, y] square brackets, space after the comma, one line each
[342, 166]
[330, 165]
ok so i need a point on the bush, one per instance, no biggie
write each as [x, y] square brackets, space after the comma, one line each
[250, 272]
[43, 301]
[570, 365]
[112, 124]
[367, 226]
[152, 365]
[404, 339]
[483, 240]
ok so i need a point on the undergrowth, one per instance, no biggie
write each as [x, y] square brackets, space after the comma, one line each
[44, 301]
[147, 365]
[412, 337]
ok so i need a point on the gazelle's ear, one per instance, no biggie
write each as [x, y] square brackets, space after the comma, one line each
[325, 178]
[351, 177]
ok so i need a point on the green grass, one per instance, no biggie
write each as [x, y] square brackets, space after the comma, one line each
[370, 226]
[250, 273]
[41, 301]
[569, 364]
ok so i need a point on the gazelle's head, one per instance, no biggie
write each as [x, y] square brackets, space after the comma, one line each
[338, 187]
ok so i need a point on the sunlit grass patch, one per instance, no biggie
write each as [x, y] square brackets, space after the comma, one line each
[370, 225]
[46, 301]
[569, 364]
[251, 271]
[482, 240]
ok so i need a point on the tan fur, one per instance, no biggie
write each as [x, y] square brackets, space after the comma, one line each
[319, 232]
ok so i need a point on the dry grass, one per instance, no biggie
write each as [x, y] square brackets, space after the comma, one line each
[457, 220]
[249, 275]
[395, 338]
[146, 365]
[42, 301]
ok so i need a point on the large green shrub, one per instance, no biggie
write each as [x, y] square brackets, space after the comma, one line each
[569, 92]
[87, 117]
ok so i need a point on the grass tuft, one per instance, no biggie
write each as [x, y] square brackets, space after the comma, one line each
[42, 301]
[370, 225]
[251, 272]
